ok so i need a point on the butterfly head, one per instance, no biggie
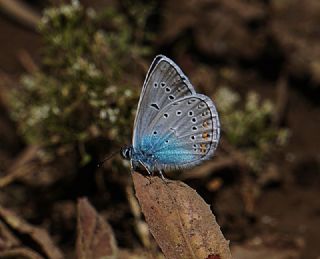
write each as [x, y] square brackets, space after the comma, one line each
[126, 152]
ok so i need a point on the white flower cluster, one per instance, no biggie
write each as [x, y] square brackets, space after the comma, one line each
[226, 98]
[37, 114]
[66, 10]
[84, 66]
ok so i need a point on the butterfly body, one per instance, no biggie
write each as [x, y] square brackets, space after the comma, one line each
[174, 127]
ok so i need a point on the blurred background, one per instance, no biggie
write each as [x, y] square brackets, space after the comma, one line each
[70, 79]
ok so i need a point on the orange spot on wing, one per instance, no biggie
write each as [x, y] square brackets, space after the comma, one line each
[203, 148]
[205, 135]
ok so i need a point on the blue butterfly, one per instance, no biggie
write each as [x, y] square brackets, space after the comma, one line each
[174, 127]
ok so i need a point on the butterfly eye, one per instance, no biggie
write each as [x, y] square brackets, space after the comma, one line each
[168, 89]
[193, 137]
[163, 84]
[178, 113]
[190, 113]
[166, 115]
[126, 153]
[194, 128]
[194, 119]
[155, 85]
[155, 132]
[171, 97]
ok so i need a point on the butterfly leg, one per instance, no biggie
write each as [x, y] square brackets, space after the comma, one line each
[162, 176]
[160, 171]
[146, 167]
[131, 166]
[148, 171]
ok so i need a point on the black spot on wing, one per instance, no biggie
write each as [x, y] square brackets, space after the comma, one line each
[155, 106]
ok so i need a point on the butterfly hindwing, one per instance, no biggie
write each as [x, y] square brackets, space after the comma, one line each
[183, 133]
[164, 83]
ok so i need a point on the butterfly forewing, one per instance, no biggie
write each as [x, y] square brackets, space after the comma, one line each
[164, 84]
[183, 133]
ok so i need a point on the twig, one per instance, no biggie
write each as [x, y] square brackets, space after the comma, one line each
[21, 12]
[209, 168]
[27, 61]
[22, 166]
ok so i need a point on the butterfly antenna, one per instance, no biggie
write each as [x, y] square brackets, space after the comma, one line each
[107, 158]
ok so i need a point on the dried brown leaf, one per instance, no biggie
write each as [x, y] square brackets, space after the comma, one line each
[38, 235]
[213, 257]
[136, 254]
[21, 253]
[35, 169]
[179, 219]
[7, 238]
[95, 238]
[21, 166]
[245, 252]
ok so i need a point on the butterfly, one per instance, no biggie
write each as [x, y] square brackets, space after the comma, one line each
[174, 127]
